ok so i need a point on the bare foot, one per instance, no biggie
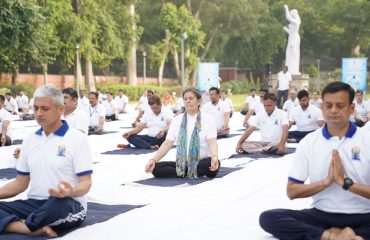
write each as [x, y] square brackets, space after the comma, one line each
[154, 147]
[45, 231]
[347, 234]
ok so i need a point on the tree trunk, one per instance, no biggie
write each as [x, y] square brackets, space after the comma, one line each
[166, 49]
[15, 75]
[89, 75]
[356, 50]
[176, 62]
[131, 66]
[45, 72]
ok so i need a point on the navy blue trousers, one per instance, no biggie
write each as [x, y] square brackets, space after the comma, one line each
[310, 224]
[144, 141]
[297, 135]
[59, 213]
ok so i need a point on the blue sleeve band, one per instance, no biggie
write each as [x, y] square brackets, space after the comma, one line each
[84, 173]
[23, 173]
[295, 180]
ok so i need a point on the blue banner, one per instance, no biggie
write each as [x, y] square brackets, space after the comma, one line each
[354, 73]
[208, 76]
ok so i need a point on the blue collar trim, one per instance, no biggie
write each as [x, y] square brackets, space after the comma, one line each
[351, 131]
[60, 132]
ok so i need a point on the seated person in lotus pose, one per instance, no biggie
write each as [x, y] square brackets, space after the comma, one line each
[336, 160]
[255, 108]
[97, 114]
[292, 101]
[250, 101]
[219, 110]
[158, 120]
[194, 133]
[316, 100]
[122, 102]
[307, 118]
[143, 105]
[110, 108]
[362, 110]
[273, 124]
[56, 164]
[5, 119]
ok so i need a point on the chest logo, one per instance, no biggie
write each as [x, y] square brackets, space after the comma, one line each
[61, 151]
[276, 122]
[356, 153]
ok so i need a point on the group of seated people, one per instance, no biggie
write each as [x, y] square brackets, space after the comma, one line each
[338, 175]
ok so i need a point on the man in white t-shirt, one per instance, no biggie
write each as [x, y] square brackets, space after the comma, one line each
[22, 102]
[121, 102]
[5, 119]
[10, 104]
[96, 114]
[55, 167]
[228, 101]
[292, 101]
[158, 120]
[143, 106]
[362, 111]
[75, 117]
[284, 79]
[250, 101]
[110, 108]
[273, 124]
[316, 100]
[219, 110]
[306, 117]
[83, 102]
[255, 108]
[336, 161]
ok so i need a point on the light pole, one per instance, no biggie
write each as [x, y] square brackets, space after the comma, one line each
[78, 68]
[318, 71]
[184, 36]
[144, 67]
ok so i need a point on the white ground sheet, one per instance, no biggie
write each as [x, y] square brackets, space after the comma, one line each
[224, 208]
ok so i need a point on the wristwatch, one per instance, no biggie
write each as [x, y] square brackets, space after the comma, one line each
[347, 183]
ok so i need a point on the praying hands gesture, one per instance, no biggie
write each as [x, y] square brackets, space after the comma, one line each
[336, 170]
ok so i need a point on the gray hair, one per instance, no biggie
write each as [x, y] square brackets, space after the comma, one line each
[51, 92]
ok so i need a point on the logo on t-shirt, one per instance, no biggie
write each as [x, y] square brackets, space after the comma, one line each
[276, 122]
[61, 151]
[309, 116]
[356, 153]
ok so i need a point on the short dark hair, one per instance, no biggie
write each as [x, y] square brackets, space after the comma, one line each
[71, 92]
[270, 96]
[335, 87]
[359, 91]
[215, 89]
[315, 91]
[8, 94]
[303, 93]
[194, 91]
[154, 100]
[252, 89]
[264, 90]
[151, 91]
[2, 98]
[94, 93]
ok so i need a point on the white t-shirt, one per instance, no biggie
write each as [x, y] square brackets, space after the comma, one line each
[121, 102]
[271, 127]
[156, 123]
[289, 105]
[312, 159]
[367, 126]
[179, 104]
[63, 155]
[362, 109]
[317, 103]
[78, 119]
[83, 103]
[11, 105]
[284, 79]
[229, 102]
[217, 111]
[208, 131]
[306, 120]
[258, 107]
[110, 107]
[22, 101]
[95, 113]
[5, 116]
[252, 100]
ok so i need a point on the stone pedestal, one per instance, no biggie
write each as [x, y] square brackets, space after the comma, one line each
[299, 82]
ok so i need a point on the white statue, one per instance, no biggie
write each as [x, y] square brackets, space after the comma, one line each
[292, 54]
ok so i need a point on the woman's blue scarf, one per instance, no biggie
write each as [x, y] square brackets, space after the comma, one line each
[183, 158]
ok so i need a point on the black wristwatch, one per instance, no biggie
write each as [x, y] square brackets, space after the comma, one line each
[347, 183]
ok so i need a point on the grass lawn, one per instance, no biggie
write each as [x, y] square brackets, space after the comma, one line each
[238, 100]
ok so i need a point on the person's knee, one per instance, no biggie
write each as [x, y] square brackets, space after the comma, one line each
[267, 218]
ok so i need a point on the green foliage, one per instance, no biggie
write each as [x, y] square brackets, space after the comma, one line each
[4, 90]
[238, 87]
[312, 71]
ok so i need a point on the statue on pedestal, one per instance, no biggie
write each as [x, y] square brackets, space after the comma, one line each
[292, 55]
